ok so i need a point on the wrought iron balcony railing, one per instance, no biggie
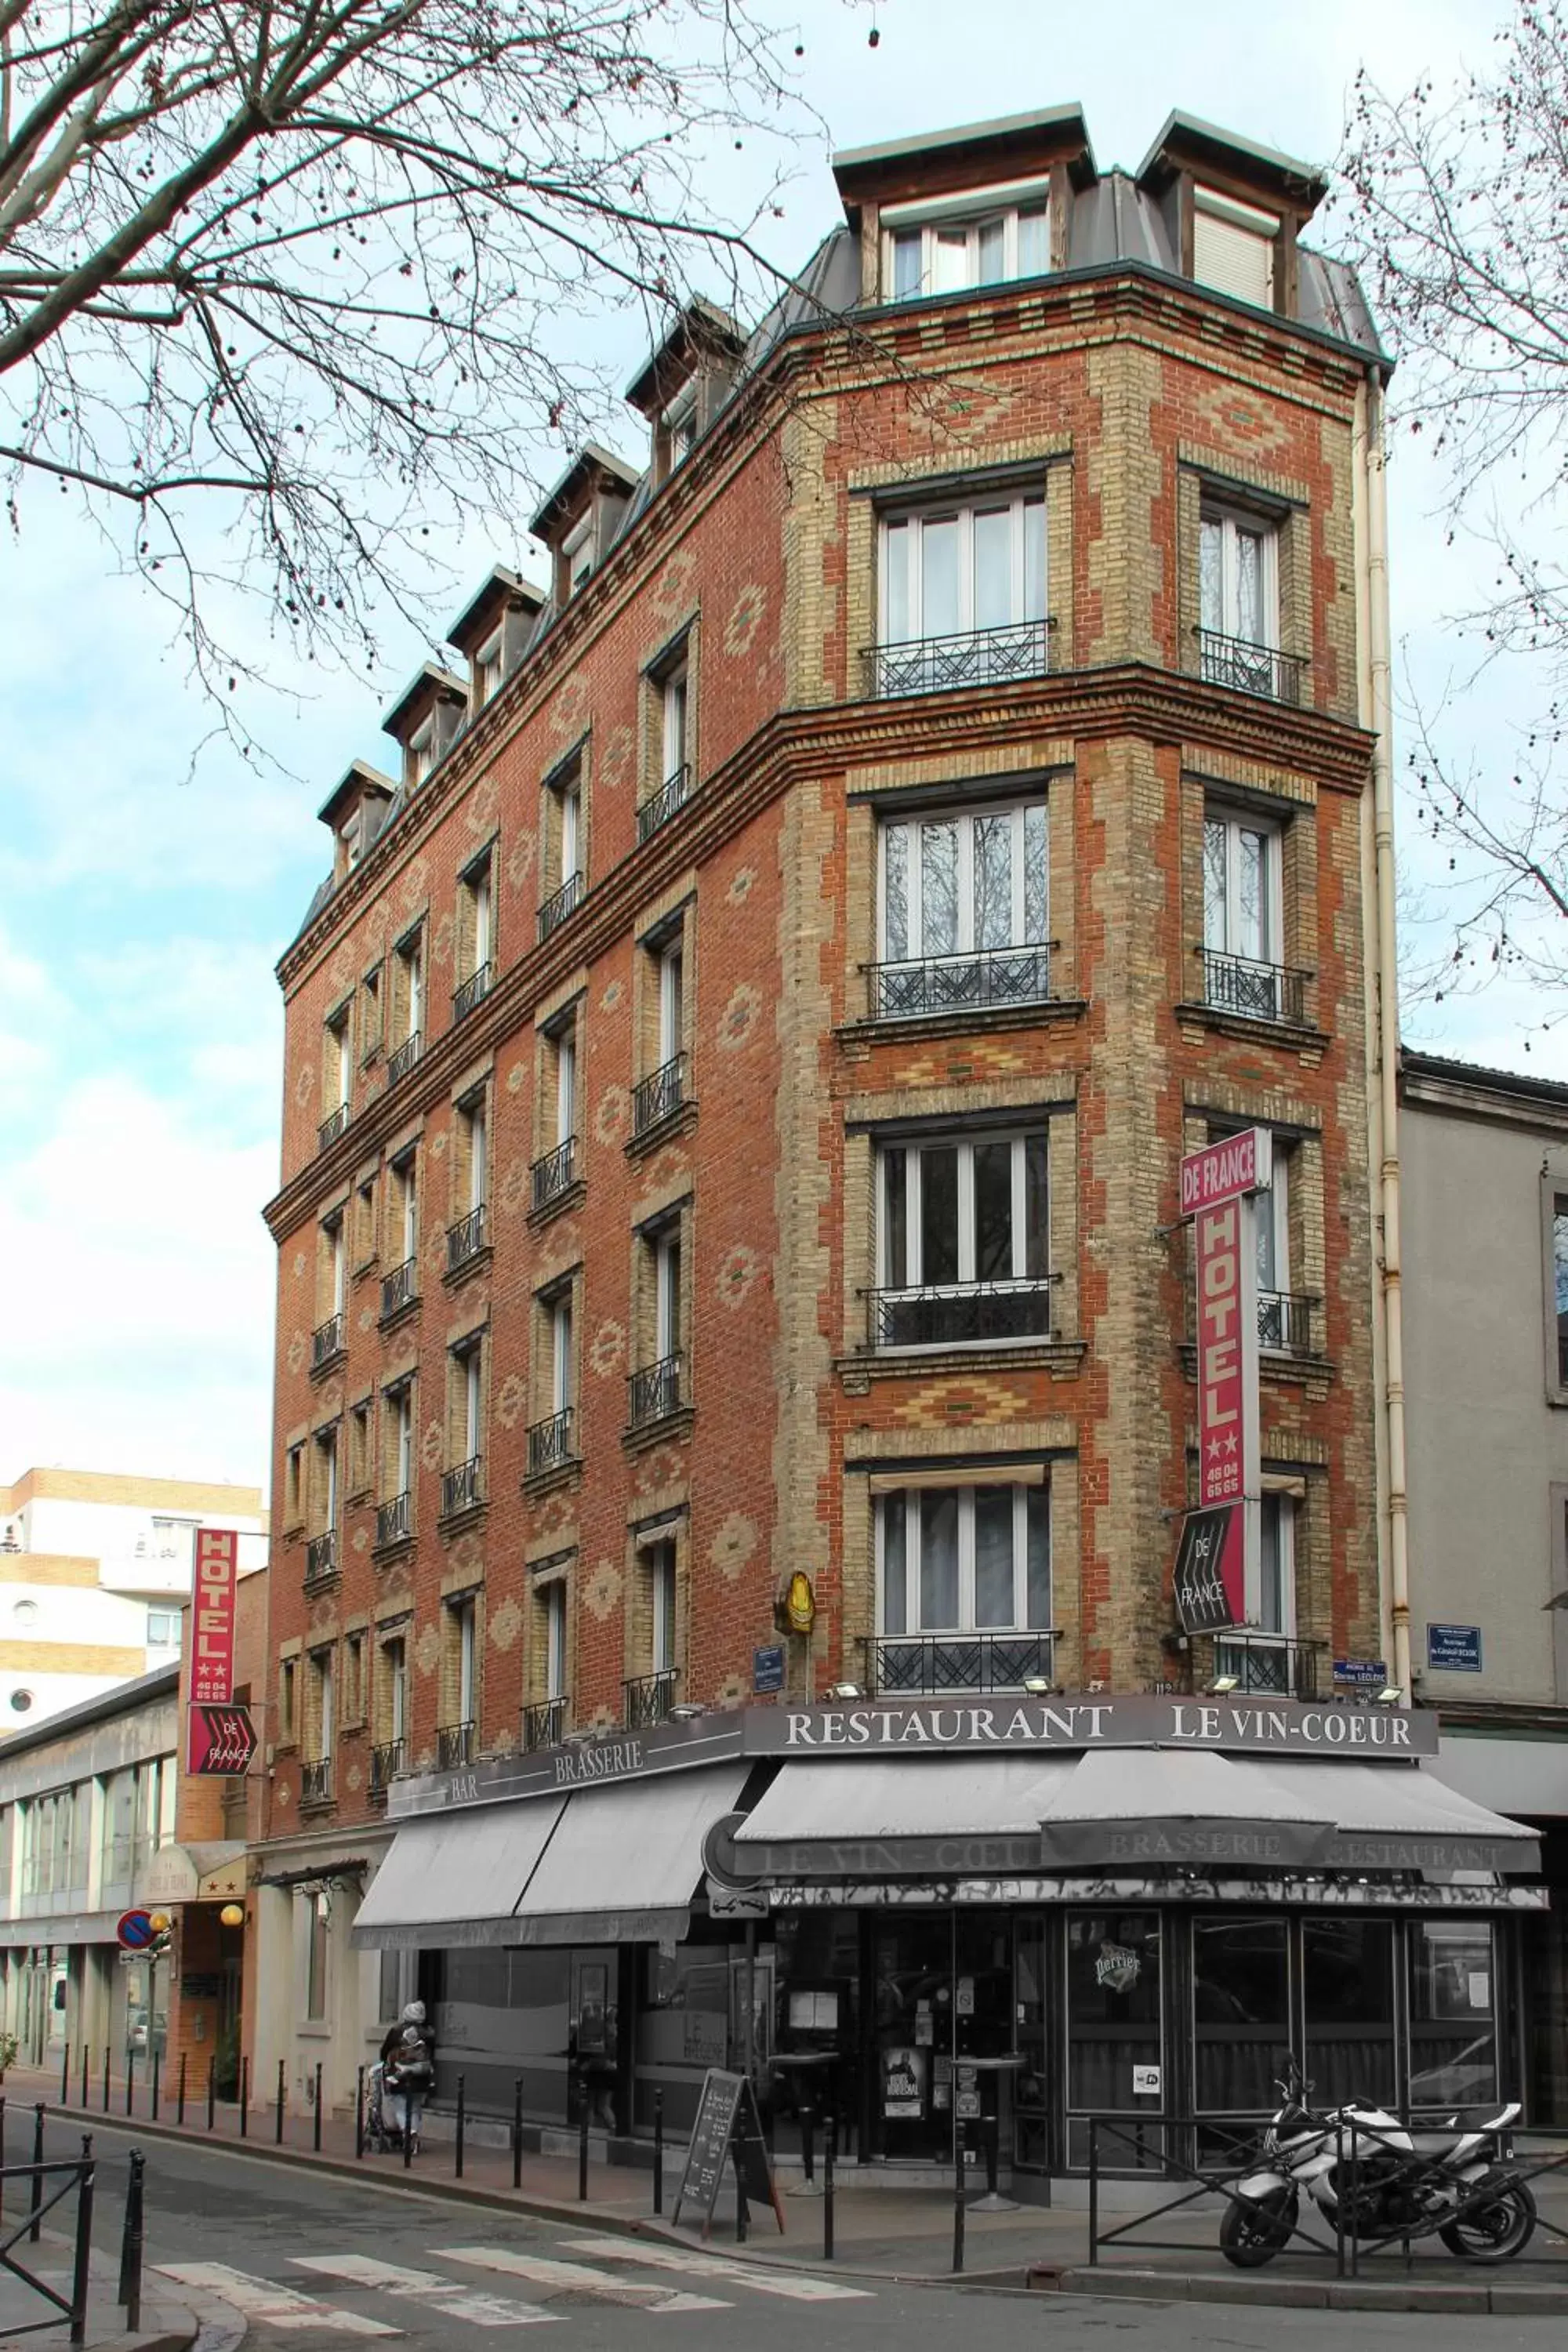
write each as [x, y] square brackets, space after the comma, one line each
[1249, 668]
[466, 1239]
[472, 991]
[332, 1127]
[399, 1288]
[556, 1174]
[1257, 991]
[544, 1723]
[322, 1557]
[454, 1746]
[327, 1340]
[560, 904]
[395, 1520]
[402, 1058]
[1285, 1322]
[388, 1762]
[655, 1392]
[960, 983]
[922, 1664]
[316, 1783]
[973, 657]
[1256, 1664]
[550, 1442]
[671, 796]
[960, 1314]
[648, 1699]
[660, 1095]
[463, 1487]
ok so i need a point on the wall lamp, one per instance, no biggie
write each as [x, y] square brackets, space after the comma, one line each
[1223, 1684]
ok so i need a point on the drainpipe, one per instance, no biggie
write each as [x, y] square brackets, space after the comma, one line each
[1378, 717]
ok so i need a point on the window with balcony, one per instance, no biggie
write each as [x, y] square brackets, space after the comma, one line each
[400, 1285]
[659, 1386]
[962, 923]
[394, 1514]
[467, 1236]
[287, 1702]
[337, 1076]
[948, 246]
[462, 1486]
[962, 1241]
[329, 1337]
[407, 1005]
[1244, 925]
[963, 1579]
[321, 1552]
[1233, 247]
[1264, 1657]
[544, 1712]
[671, 784]
[475, 941]
[359, 1468]
[294, 1486]
[456, 1738]
[662, 1092]
[389, 1749]
[552, 1441]
[365, 1238]
[557, 1170]
[316, 1776]
[564, 862]
[354, 1694]
[963, 596]
[1238, 605]
[650, 1694]
[1284, 1312]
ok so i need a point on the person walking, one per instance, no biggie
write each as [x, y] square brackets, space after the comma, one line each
[408, 2070]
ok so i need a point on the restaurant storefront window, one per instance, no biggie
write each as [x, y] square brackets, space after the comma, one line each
[1347, 1968]
[1453, 2013]
[1241, 2012]
[1115, 2044]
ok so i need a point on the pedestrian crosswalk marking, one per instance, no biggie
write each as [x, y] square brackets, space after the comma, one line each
[795, 2286]
[543, 2271]
[275, 2306]
[448, 2297]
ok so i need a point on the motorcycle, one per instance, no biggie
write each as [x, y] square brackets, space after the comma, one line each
[1371, 2175]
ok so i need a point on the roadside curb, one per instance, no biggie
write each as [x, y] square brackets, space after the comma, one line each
[1470, 2299]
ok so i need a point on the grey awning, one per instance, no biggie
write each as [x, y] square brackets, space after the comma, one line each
[1403, 1817]
[623, 1866]
[1131, 1808]
[455, 1878]
[878, 1819]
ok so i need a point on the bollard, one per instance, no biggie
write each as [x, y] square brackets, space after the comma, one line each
[992, 2148]
[829, 2150]
[212, 2090]
[131, 2245]
[316, 2136]
[742, 2211]
[35, 2223]
[462, 2119]
[277, 2118]
[807, 2145]
[407, 2134]
[129, 2081]
[359, 2116]
[157, 2075]
[106, 2079]
[86, 2054]
[658, 2150]
[517, 2134]
[959, 2153]
[80, 2272]
[180, 2106]
[66, 2075]
[583, 2147]
[245, 2098]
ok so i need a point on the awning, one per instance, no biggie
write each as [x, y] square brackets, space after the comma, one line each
[877, 1818]
[1128, 1808]
[1403, 1817]
[611, 1865]
[623, 1866]
[455, 1878]
[1528, 1777]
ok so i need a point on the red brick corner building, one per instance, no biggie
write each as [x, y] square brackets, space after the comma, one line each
[735, 1399]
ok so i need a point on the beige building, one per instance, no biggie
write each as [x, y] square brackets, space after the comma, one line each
[93, 1571]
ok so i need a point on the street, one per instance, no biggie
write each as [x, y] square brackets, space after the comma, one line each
[306, 2261]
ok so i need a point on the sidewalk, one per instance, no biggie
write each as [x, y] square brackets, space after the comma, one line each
[167, 2323]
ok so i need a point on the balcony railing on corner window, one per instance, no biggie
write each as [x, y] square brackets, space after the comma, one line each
[332, 1127]
[472, 991]
[386, 1764]
[543, 1724]
[648, 1699]
[1249, 668]
[395, 1520]
[1257, 1665]
[454, 1746]
[658, 1096]
[973, 657]
[960, 983]
[402, 1058]
[922, 1664]
[316, 1783]
[322, 1557]
[1285, 1322]
[463, 1487]
[959, 1315]
[327, 1341]
[671, 796]
[399, 1288]
[550, 1442]
[556, 1174]
[560, 904]
[1257, 991]
[655, 1392]
[466, 1239]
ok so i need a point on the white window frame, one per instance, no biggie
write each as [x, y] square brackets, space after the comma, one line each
[402, 1437]
[166, 1641]
[671, 976]
[327, 1453]
[565, 1084]
[1233, 523]
[577, 547]
[675, 720]
[410, 955]
[326, 1726]
[338, 1031]
[666, 1292]
[467, 1659]
[394, 1665]
[478, 883]
[942, 221]
[474, 1113]
[407, 1172]
[909, 1277]
[661, 1570]
[1237, 821]
[1237, 219]
[555, 1638]
[965, 819]
[1278, 1504]
[488, 669]
[422, 749]
[916, 519]
[679, 422]
[571, 799]
[338, 1260]
[908, 1498]
[561, 1395]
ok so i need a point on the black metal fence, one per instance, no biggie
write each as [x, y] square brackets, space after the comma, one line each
[47, 2185]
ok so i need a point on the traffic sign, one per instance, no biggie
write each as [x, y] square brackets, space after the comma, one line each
[219, 1740]
[135, 1930]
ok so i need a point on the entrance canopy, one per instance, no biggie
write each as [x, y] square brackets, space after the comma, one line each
[607, 1865]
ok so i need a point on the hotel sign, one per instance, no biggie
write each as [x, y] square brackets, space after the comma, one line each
[212, 1651]
[1217, 1188]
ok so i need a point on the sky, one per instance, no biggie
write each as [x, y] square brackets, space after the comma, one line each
[142, 907]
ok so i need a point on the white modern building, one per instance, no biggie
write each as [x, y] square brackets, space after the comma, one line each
[93, 1571]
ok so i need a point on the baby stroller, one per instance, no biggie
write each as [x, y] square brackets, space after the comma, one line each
[383, 2134]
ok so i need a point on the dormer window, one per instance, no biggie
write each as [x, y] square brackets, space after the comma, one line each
[578, 549]
[947, 245]
[422, 752]
[488, 670]
[1233, 247]
[680, 427]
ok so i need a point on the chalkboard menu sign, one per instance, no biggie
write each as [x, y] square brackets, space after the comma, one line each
[728, 2127]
